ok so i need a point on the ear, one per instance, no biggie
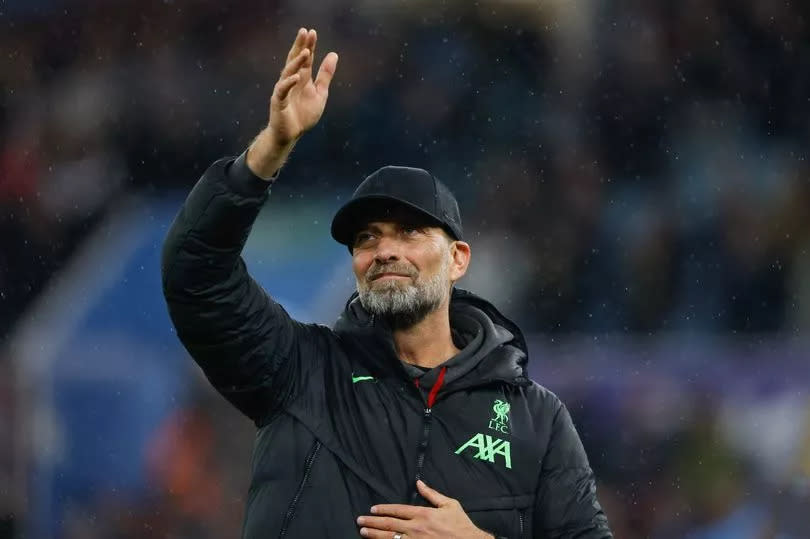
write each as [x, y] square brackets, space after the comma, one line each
[459, 259]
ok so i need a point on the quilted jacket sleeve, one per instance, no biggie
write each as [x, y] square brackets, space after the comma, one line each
[566, 505]
[246, 343]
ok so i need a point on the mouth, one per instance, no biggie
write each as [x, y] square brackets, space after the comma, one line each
[381, 276]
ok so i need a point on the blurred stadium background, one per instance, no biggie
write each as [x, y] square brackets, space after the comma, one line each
[633, 175]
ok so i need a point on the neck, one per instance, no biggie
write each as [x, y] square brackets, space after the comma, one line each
[427, 343]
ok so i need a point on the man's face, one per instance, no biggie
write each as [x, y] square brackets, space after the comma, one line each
[404, 270]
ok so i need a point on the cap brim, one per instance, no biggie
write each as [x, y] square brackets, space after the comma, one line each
[358, 212]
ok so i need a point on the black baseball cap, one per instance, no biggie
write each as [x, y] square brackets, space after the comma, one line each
[393, 187]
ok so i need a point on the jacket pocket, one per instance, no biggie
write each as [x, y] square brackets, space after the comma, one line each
[504, 516]
[309, 462]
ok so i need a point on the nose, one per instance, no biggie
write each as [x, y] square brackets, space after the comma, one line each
[387, 250]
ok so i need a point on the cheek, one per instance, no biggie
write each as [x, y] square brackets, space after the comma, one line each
[437, 254]
[360, 264]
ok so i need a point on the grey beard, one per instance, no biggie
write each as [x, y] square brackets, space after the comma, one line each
[404, 306]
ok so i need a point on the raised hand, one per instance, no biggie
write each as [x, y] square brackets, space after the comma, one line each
[298, 101]
[296, 105]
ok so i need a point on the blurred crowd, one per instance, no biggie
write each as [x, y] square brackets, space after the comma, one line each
[640, 165]
[624, 166]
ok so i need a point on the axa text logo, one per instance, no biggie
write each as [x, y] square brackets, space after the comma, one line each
[487, 448]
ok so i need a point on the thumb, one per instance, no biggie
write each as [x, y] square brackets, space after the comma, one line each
[325, 73]
[433, 496]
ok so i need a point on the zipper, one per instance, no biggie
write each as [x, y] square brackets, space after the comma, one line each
[426, 421]
[310, 460]
[520, 514]
[420, 458]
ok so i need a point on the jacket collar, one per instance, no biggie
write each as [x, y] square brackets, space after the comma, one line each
[495, 351]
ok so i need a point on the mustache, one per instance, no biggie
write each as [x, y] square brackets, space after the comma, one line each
[377, 270]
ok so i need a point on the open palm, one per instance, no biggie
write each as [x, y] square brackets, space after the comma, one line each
[298, 101]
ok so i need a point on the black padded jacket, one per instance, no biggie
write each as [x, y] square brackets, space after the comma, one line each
[342, 423]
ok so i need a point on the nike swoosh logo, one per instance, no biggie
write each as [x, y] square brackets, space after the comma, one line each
[356, 379]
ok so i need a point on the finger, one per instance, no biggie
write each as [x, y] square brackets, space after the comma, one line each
[433, 496]
[312, 38]
[283, 88]
[295, 64]
[383, 523]
[397, 510]
[371, 533]
[326, 72]
[297, 45]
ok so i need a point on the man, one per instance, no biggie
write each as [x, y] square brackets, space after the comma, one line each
[418, 382]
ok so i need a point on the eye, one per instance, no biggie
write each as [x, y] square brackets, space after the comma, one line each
[362, 237]
[411, 230]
